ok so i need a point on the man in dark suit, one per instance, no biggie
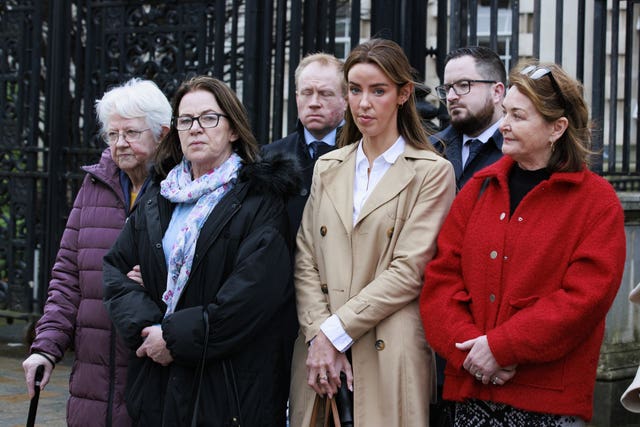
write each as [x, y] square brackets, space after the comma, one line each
[321, 94]
[321, 100]
[473, 88]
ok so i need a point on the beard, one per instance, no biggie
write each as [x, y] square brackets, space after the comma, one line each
[473, 124]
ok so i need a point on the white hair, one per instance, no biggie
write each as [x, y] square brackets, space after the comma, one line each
[135, 98]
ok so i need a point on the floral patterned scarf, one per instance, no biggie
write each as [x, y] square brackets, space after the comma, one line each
[206, 192]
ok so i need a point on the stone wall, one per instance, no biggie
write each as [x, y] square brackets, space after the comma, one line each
[620, 353]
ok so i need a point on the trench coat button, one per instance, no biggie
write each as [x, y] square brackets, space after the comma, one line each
[492, 297]
[493, 254]
[520, 219]
[390, 232]
[324, 288]
[503, 216]
[304, 192]
[380, 345]
[323, 231]
[158, 245]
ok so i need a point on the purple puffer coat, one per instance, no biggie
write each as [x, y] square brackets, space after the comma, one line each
[74, 313]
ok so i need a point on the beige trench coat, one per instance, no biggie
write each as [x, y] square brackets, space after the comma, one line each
[371, 275]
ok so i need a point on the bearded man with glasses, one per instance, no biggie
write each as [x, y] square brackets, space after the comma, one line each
[473, 90]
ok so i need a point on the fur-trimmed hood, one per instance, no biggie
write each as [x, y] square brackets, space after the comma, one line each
[276, 173]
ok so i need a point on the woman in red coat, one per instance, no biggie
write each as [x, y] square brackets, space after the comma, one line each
[529, 261]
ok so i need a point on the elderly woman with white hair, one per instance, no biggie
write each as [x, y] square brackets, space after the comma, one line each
[133, 119]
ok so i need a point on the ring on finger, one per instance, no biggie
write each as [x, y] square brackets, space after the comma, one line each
[478, 375]
[494, 380]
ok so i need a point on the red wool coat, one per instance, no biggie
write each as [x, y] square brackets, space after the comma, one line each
[538, 284]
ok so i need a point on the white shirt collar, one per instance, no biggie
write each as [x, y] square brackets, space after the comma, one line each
[484, 136]
[390, 155]
[367, 178]
[329, 138]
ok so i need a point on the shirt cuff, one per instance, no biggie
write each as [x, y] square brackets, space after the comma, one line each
[332, 328]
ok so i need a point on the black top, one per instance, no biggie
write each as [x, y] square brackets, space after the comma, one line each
[522, 181]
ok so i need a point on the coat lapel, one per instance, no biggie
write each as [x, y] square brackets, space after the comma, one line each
[393, 182]
[338, 183]
[453, 153]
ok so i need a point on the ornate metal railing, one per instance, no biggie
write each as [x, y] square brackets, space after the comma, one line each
[57, 57]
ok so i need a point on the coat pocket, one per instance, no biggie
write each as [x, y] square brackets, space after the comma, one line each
[549, 375]
[517, 304]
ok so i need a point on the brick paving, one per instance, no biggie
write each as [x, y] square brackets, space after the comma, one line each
[14, 400]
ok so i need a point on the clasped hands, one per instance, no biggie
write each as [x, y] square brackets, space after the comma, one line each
[324, 364]
[481, 364]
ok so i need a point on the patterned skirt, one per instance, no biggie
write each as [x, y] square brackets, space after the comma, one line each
[480, 413]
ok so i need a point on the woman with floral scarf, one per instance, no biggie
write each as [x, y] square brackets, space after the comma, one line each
[198, 281]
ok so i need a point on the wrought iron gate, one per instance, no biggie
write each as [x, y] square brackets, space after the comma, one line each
[58, 56]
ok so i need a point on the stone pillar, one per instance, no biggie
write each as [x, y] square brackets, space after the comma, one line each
[620, 352]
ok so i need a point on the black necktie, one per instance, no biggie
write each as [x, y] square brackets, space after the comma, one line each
[318, 148]
[474, 147]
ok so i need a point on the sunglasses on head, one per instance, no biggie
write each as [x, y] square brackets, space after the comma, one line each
[535, 72]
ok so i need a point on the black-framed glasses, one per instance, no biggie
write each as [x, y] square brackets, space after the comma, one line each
[535, 72]
[207, 120]
[461, 87]
[129, 135]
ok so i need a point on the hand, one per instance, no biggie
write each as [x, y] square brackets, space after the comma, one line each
[480, 361]
[154, 346]
[30, 365]
[135, 275]
[503, 375]
[324, 364]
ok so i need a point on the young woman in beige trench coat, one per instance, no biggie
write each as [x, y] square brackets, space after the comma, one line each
[368, 230]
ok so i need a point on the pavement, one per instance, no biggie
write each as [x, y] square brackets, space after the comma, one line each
[14, 400]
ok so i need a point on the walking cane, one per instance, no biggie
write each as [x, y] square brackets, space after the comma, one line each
[33, 407]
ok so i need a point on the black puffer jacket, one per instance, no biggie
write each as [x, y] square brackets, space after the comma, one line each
[240, 278]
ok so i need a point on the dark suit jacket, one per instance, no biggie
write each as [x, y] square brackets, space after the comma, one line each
[451, 139]
[294, 143]
[449, 143]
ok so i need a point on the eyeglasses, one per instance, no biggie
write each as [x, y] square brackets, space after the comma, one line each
[208, 120]
[129, 135]
[461, 87]
[535, 73]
